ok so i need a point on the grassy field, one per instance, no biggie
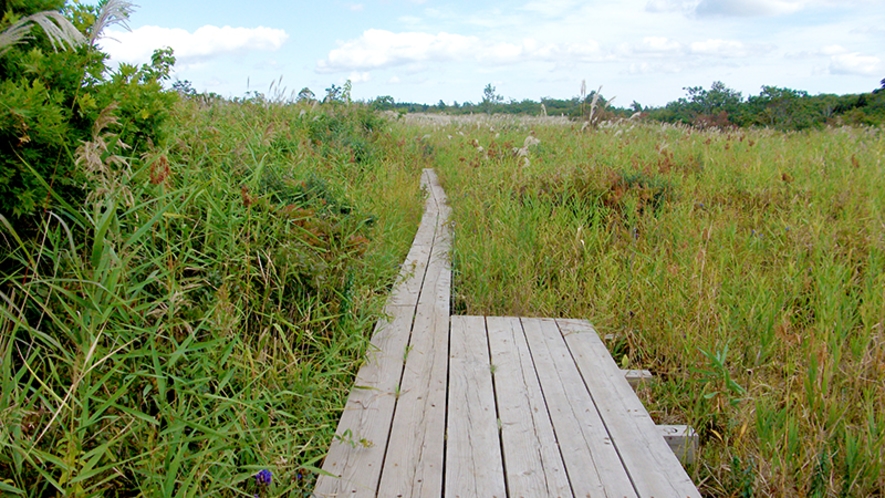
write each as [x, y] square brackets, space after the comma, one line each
[200, 318]
[745, 269]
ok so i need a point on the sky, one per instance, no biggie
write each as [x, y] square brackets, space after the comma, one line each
[425, 51]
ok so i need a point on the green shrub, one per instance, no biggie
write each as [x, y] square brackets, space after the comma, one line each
[53, 94]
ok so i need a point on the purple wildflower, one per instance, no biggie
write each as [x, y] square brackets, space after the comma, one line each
[263, 478]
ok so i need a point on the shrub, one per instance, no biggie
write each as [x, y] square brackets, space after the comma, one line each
[53, 93]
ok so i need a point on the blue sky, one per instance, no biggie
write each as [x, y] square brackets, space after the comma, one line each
[431, 50]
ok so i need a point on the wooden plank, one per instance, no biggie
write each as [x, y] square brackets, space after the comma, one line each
[368, 413]
[653, 468]
[358, 453]
[413, 269]
[414, 462]
[473, 450]
[593, 466]
[533, 463]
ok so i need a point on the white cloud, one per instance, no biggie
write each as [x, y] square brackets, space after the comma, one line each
[833, 50]
[205, 43]
[646, 68]
[855, 63]
[359, 77]
[356, 7]
[658, 45]
[377, 49]
[720, 48]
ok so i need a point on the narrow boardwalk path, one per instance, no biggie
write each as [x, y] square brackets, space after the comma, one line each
[471, 406]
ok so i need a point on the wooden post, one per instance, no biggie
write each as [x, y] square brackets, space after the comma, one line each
[682, 439]
[636, 377]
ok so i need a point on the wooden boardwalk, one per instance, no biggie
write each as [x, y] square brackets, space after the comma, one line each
[468, 406]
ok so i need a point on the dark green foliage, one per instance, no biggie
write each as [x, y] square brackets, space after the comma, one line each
[51, 100]
[774, 107]
[344, 133]
[383, 103]
[704, 108]
[716, 107]
[490, 98]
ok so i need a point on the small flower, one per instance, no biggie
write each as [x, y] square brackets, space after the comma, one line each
[263, 478]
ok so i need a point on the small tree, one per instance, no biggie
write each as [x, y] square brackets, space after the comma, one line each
[306, 95]
[383, 103]
[781, 108]
[490, 98]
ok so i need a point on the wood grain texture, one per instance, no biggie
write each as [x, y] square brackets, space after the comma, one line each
[356, 456]
[653, 468]
[474, 406]
[413, 465]
[358, 453]
[593, 465]
[473, 449]
[533, 463]
[413, 269]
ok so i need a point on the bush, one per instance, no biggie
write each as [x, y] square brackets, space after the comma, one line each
[53, 93]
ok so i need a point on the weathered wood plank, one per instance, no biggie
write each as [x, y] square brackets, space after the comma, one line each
[368, 413]
[653, 468]
[593, 466]
[473, 449]
[414, 267]
[357, 455]
[533, 463]
[413, 466]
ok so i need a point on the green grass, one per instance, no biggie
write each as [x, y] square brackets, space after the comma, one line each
[745, 269]
[203, 316]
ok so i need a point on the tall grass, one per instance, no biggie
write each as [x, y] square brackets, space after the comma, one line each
[202, 318]
[746, 269]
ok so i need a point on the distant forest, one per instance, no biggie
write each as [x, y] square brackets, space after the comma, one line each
[718, 106]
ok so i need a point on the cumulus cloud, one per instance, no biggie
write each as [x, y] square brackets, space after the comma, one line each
[359, 77]
[662, 47]
[844, 61]
[205, 43]
[377, 49]
[646, 68]
[851, 63]
[658, 45]
[720, 48]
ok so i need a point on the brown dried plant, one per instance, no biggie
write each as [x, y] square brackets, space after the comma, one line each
[101, 160]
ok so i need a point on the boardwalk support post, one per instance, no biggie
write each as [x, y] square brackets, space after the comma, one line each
[683, 440]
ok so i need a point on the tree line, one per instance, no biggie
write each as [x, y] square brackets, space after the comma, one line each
[718, 106]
